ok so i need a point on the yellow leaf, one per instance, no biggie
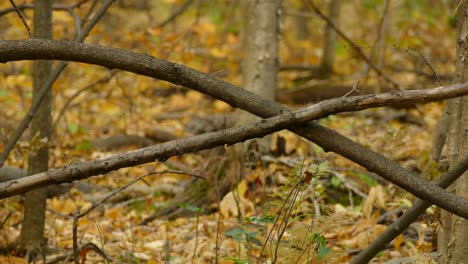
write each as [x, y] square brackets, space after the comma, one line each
[242, 188]
[64, 206]
[114, 213]
[217, 52]
[206, 27]
[221, 106]
[397, 242]
[187, 56]
[12, 260]
[231, 205]
[232, 39]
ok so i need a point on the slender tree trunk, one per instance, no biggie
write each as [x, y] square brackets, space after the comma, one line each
[32, 230]
[329, 42]
[301, 22]
[453, 232]
[378, 49]
[260, 63]
[383, 32]
[259, 76]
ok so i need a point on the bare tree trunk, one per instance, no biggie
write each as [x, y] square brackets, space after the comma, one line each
[260, 64]
[301, 22]
[378, 49]
[453, 232]
[383, 32]
[259, 72]
[32, 230]
[329, 42]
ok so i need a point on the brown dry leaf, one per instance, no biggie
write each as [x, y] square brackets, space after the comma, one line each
[364, 238]
[157, 245]
[114, 213]
[376, 198]
[368, 204]
[230, 206]
[419, 257]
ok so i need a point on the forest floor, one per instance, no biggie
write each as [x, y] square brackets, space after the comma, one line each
[333, 216]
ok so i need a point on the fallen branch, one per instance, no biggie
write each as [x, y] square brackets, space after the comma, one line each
[407, 218]
[402, 178]
[146, 65]
[176, 13]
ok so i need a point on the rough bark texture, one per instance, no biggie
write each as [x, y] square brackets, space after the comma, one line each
[403, 178]
[32, 229]
[409, 217]
[453, 231]
[177, 74]
[260, 63]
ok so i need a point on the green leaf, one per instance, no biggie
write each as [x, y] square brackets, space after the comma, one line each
[322, 251]
[236, 233]
[365, 178]
[4, 92]
[318, 239]
[191, 208]
[72, 127]
[239, 233]
[371, 4]
[84, 145]
[260, 220]
[321, 243]
[240, 261]
[335, 182]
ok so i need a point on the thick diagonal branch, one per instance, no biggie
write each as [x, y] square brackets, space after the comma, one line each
[178, 74]
[407, 218]
[237, 134]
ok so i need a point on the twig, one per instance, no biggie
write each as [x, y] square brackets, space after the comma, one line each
[419, 55]
[407, 218]
[31, 6]
[67, 8]
[48, 85]
[5, 219]
[177, 13]
[430, 67]
[355, 86]
[77, 93]
[90, 11]
[326, 138]
[352, 44]
[387, 168]
[90, 247]
[79, 215]
[378, 44]
[20, 15]
[348, 185]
